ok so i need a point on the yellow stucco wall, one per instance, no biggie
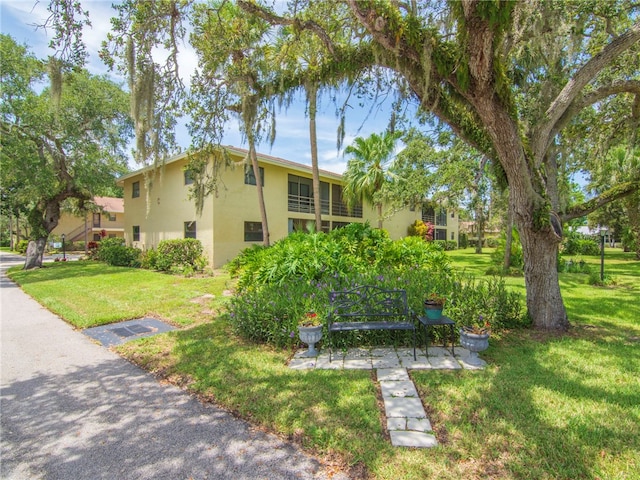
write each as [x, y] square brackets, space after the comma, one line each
[169, 209]
[221, 227]
[74, 226]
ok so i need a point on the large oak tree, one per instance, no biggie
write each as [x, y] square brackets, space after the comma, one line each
[508, 78]
[63, 142]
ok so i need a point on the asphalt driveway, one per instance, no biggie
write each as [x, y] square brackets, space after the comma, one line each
[71, 409]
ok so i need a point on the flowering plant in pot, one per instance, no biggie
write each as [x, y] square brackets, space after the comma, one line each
[309, 319]
[475, 338]
[480, 327]
[433, 305]
[310, 332]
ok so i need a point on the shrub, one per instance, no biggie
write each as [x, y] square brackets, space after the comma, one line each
[113, 251]
[148, 259]
[421, 229]
[179, 256]
[517, 256]
[464, 240]
[594, 279]
[280, 283]
[492, 242]
[573, 266]
[21, 246]
[447, 244]
[471, 298]
[578, 244]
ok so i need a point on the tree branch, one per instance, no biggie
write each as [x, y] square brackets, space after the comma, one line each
[615, 193]
[575, 85]
[624, 86]
[273, 19]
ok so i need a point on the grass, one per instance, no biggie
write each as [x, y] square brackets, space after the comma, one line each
[547, 407]
[87, 294]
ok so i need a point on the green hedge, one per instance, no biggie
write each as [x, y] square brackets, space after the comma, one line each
[179, 256]
[113, 251]
[278, 284]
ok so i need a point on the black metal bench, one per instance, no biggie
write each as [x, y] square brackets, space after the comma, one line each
[369, 308]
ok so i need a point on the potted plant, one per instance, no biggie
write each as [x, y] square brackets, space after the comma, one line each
[475, 338]
[433, 306]
[310, 332]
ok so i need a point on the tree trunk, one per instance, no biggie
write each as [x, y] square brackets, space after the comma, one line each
[35, 252]
[312, 98]
[11, 243]
[263, 210]
[480, 226]
[544, 300]
[379, 209]
[508, 239]
[17, 229]
[632, 204]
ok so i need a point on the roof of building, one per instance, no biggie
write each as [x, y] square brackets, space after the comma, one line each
[110, 204]
[242, 152]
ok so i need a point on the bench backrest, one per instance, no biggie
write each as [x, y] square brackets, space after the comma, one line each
[368, 301]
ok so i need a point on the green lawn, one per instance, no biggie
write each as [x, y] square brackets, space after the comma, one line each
[547, 407]
[87, 294]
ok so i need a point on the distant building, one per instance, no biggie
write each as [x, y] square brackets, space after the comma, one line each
[106, 221]
[230, 220]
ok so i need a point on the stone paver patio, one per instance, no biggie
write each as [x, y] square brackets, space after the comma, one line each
[407, 422]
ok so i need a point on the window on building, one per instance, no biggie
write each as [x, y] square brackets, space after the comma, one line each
[428, 215]
[135, 189]
[440, 234]
[112, 217]
[339, 207]
[188, 177]
[441, 217]
[337, 225]
[304, 224]
[253, 232]
[250, 178]
[136, 233]
[300, 194]
[453, 236]
[189, 229]
[96, 220]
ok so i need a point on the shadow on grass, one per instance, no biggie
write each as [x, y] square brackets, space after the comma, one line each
[563, 408]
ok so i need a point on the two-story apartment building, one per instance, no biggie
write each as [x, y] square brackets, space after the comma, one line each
[230, 219]
[106, 220]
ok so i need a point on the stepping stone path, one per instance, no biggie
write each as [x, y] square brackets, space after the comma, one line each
[407, 421]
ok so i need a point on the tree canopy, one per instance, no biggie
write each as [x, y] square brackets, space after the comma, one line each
[535, 87]
[67, 141]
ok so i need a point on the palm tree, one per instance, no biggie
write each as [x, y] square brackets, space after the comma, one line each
[367, 171]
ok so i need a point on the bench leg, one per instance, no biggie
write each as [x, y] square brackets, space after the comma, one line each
[453, 340]
[415, 359]
[426, 341]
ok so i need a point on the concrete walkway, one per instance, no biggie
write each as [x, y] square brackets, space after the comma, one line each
[71, 409]
[407, 422]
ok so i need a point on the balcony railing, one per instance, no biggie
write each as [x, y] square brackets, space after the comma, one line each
[301, 204]
[340, 209]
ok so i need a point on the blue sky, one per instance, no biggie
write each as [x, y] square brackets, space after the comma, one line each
[19, 17]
